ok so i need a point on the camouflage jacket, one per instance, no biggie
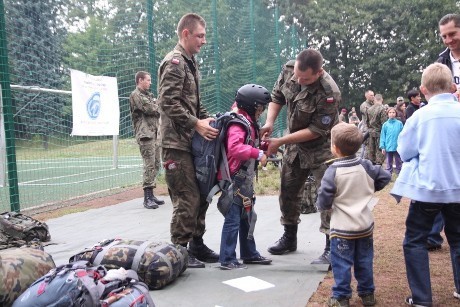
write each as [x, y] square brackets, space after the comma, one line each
[376, 117]
[144, 113]
[363, 109]
[179, 99]
[314, 107]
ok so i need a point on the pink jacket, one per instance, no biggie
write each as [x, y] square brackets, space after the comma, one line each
[237, 151]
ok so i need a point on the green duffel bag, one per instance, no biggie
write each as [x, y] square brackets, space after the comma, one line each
[19, 268]
[156, 263]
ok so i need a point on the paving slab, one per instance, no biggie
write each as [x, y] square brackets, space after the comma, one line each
[290, 279]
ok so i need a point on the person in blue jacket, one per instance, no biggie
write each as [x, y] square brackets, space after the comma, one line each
[389, 141]
[430, 177]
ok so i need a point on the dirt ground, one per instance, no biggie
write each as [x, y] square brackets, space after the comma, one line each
[389, 269]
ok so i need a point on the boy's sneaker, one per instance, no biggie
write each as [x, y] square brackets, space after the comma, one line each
[257, 260]
[194, 263]
[334, 302]
[368, 299]
[409, 301]
[456, 295]
[232, 266]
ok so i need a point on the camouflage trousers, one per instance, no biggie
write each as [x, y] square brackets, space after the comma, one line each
[150, 152]
[373, 151]
[189, 207]
[292, 182]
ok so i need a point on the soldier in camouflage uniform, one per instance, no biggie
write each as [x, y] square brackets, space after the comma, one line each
[145, 116]
[312, 98]
[182, 115]
[369, 102]
[376, 117]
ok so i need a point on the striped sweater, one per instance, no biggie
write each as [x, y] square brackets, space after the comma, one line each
[347, 188]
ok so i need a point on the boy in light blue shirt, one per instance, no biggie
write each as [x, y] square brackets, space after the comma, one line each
[430, 177]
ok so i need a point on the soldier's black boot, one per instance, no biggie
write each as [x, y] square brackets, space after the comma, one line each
[157, 201]
[200, 251]
[287, 243]
[149, 203]
[325, 258]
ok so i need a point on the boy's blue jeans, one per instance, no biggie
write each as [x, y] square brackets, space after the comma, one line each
[419, 222]
[346, 253]
[434, 236]
[233, 225]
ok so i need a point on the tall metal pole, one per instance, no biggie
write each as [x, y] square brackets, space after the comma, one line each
[8, 115]
[253, 43]
[277, 37]
[152, 61]
[216, 55]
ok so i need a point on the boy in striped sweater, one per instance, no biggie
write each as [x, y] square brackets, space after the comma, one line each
[347, 189]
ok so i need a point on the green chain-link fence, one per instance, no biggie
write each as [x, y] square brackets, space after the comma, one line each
[40, 163]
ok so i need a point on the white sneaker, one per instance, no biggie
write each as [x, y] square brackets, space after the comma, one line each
[456, 295]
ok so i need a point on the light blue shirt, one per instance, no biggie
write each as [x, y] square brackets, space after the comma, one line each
[429, 146]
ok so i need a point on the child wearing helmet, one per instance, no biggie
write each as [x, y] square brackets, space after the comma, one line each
[242, 154]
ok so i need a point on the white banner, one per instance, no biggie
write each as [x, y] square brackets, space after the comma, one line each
[95, 105]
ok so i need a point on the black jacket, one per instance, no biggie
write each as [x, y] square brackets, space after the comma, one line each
[444, 58]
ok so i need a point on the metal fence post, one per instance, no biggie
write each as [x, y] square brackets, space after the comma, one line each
[8, 115]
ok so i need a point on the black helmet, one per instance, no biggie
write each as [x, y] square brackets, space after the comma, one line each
[249, 96]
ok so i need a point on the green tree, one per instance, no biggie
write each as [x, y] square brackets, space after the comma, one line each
[374, 43]
[35, 36]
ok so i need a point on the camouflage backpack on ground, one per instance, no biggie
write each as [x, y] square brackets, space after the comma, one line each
[19, 268]
[81, 285]
[23, 227]
[156, 263]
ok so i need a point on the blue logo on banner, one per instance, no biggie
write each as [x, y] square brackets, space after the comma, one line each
[93, 106]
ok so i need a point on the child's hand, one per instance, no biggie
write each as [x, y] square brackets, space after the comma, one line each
[263, 160]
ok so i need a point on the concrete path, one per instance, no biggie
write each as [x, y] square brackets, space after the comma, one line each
[290, 279]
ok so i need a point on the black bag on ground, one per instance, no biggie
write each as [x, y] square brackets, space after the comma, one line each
[79, 284]
[23, 227]
[156, 263]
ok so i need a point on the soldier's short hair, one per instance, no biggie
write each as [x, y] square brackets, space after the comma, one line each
[347, 138]
[437, 78]
[378, 97]
[141, 75]
[309, 58]
[189, 21]
[450, 17]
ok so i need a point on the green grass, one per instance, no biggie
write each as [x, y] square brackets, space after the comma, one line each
[104, 148]
[268, 182]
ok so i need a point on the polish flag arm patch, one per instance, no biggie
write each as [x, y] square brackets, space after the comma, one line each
[330, 99]
[175, 61]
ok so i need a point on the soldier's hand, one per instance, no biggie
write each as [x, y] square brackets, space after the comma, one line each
[205, 130]
[266, 131]
[273, 145]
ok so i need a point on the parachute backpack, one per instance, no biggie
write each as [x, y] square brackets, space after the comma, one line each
[210, 156]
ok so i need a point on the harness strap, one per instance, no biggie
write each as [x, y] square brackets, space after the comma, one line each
[138, 255]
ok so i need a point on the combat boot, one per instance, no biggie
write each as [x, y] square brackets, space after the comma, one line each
[157, 201]
[149, 203]
[287, 243]
[200, 251]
